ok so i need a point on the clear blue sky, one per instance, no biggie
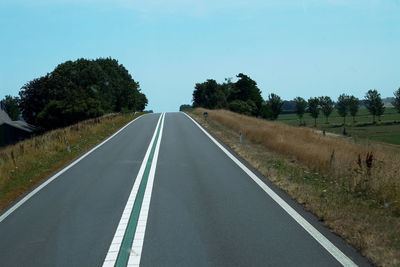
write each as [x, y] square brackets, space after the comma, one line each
[291, 48]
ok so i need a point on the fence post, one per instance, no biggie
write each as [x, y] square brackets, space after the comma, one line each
[68, 147]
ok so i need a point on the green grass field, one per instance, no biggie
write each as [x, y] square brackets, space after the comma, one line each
[386, 130]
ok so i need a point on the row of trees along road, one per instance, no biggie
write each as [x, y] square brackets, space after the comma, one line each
[245, 97]
[345, 105]
[78, 90]
[242, 96]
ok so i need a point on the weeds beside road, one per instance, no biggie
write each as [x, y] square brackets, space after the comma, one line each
[28, 162]
[354, 189]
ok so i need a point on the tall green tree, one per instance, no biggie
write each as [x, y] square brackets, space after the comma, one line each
[313, 108]
[227, 87]
[246, 89]
[209, 94]
[374, 104]
[243, 107]
[396, 101]
[78, 90]
[272, 107]
[185, 107]
[10, 105]
[342, 106]
[354, 105]
[242, 96]
[300, 107]
[326, 105]
[34, 96]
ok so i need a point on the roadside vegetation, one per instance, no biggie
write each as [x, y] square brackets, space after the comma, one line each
[75, 91]
[370, 118]
[353, 188]
[27, 163]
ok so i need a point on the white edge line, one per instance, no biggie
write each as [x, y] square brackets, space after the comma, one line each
[41, 186]
[331, 248]
[116, 243]
[137, 244]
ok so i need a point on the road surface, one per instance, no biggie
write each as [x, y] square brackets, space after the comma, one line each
[162, 193]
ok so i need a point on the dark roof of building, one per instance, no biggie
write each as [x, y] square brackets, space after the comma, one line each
[5, 119]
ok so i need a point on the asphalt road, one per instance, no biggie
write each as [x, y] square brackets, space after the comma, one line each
[204, 209]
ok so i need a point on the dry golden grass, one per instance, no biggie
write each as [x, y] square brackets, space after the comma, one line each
[28, 162]
[358, 202]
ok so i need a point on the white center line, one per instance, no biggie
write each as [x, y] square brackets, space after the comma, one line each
[115, 246]
[137, 245]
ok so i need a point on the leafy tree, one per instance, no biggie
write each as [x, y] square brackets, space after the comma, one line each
[396, 101]
[71, 112]
[240, 106]
[266, 111]
[243, 96]
[354, 105]
[228, 87]
[374, 103]
[313, 108]
[185, 107]
[246, 89]
[343, 106]
[78, 90]
[34, 96]
[300, 107]
[141, 101]
[10, 105]
[289, 105]
[209, 94]
[326, 105]
[251, 107]
[272, 107]
[380, 110]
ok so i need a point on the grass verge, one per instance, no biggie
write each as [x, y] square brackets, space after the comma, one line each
[386, 130]
[331, 177]
[28, 162]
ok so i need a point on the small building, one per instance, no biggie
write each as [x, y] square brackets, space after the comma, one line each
[12, 132]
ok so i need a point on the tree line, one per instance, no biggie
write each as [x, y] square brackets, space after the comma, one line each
[243, 96]
[346, 105]
[75, 91]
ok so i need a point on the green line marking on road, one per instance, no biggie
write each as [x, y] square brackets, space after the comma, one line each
[124, 252]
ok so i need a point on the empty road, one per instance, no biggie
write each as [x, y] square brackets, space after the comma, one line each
[161, 192]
